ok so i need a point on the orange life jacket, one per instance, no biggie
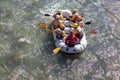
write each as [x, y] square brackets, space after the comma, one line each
[74, 17]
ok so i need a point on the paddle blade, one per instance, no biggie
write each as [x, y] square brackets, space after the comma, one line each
[49, 31]
[93, 32]
[56, 50]
[87, 23]
[47, 15]
[42, 25]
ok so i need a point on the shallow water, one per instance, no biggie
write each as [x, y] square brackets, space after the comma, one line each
[26, 49]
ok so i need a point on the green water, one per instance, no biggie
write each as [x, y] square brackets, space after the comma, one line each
[26, 49]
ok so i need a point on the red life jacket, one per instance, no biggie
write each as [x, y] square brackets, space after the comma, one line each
[71, 40]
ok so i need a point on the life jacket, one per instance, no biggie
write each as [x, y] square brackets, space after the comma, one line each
[76, 31]
[79, 35]
[55, 24]
[71, 40]
[61, 25]
[79, 18]
[74, 17]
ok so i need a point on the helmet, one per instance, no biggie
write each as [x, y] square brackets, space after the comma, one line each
[59, 11]
[74, 10]
[57, 17]
[75, 25]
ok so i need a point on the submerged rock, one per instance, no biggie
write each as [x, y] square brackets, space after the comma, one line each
[22, 42]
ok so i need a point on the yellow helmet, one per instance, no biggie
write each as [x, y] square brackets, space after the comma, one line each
[59, 11]
[74, 10]
[75, 25]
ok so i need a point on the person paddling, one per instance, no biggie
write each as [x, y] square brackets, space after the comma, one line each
[57, 23]
[75, 17]
[60, 33]
[59, 12]
[77, 31]
[71, 40]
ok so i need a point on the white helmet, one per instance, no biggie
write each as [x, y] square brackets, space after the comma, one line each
[57, 17]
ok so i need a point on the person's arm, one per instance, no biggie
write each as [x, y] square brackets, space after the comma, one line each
[79, 29]
[66, 40]
[51, 23]
[72, 17]
[62, 18]
[54, 15]
[64, 34]
[61, 24]
[76, 39]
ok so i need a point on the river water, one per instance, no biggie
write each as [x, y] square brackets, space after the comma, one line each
[26, 49]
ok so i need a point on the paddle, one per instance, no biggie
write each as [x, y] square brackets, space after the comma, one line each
[47, 15]
[49, 31]
[42, 25]
[87, 23]
[92, 31]
[56, 50]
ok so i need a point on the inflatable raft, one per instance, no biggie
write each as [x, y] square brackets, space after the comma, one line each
[79, 47]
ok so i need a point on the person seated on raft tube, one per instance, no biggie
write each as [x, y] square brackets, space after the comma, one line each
[81, 24]
[71, 40]
[60, 33]
[59, 12]
[57, 23]
[75, 17]
[77, 30]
